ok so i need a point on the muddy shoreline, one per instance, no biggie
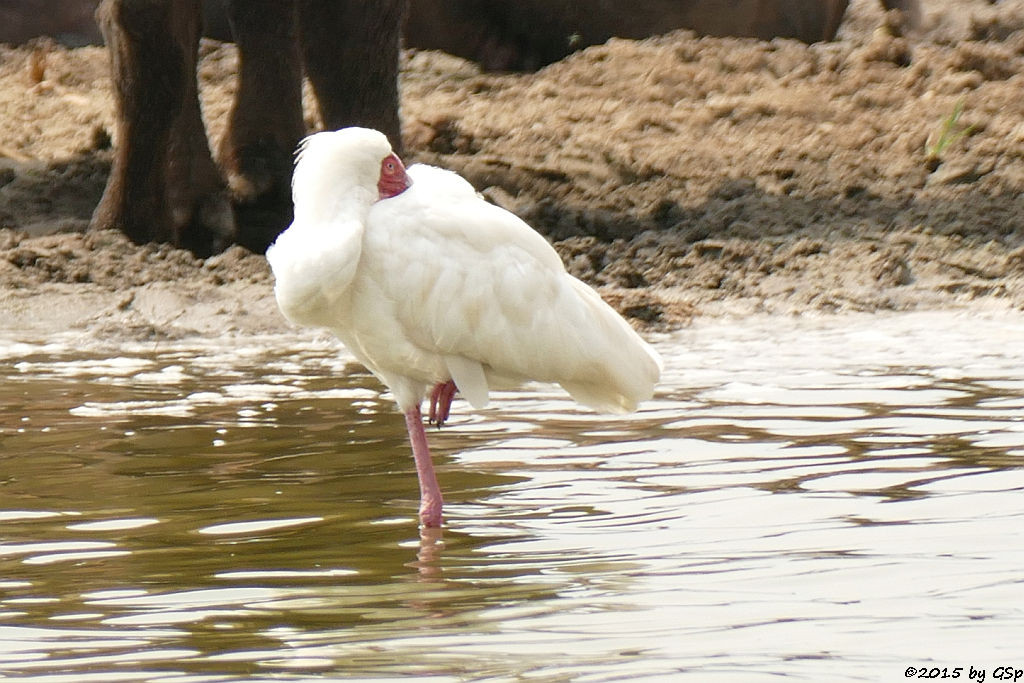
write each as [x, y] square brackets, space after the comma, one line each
[681, 176]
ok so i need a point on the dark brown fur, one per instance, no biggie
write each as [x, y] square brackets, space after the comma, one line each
[528, 34]
[164, 185]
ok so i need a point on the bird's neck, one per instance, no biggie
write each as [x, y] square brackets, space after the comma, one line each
[320, 205]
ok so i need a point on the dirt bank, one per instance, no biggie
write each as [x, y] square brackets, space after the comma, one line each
[683, 176]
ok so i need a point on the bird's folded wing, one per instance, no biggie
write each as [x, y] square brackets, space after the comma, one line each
[469, 377]
[474, 281]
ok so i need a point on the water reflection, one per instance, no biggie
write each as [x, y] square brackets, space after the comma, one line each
[832, 499]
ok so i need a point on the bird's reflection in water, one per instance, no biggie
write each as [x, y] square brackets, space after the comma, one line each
[796, 484]
[428, 556]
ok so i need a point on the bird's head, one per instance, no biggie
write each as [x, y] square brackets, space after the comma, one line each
[345, 170]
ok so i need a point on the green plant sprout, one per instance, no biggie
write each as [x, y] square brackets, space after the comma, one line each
[947, 133]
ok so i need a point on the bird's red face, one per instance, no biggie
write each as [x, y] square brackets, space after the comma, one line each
[393, 179]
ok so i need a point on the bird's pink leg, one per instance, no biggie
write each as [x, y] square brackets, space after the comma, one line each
[430, 493]
[441, 397]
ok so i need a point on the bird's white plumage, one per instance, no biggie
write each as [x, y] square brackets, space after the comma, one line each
[436, 283]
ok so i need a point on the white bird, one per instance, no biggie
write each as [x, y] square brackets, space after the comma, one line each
[435, 290]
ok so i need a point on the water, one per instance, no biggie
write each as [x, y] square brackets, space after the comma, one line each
[831, 499]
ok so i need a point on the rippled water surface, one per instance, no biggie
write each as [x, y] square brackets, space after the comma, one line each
[832, 499]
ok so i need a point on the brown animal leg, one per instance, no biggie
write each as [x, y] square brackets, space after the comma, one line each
[350, 48]
[163, 184]
[266, 121]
